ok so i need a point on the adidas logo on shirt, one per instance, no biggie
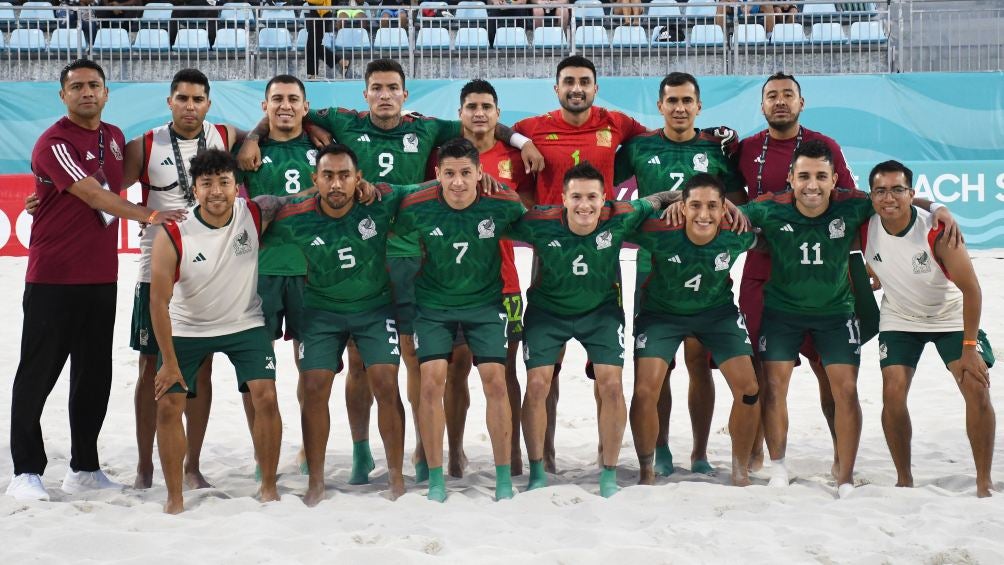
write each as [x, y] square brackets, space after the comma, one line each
[436, 231]
[364, 138]
[877, 258]
[552, 136]
[89, 156]
[317, 242]
[787, 228]
[266, 160]
[554, 243]
[199, 258]
[168, 161]
[675, 259]
[654, 161]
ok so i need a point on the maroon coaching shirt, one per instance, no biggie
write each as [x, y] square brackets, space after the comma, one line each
[70, 242]
[767, 171]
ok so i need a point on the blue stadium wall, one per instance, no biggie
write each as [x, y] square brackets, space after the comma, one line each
[948, 127]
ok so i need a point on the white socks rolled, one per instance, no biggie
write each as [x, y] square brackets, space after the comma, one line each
[778, 473]
[845, 490]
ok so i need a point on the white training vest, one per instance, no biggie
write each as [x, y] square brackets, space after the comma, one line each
[216, 286]
[159, 176]
[917, 295]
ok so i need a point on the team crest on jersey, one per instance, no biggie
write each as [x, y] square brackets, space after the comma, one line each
[116, 150]
[883, 351]
[604, 138]
[722, 261]
[486, 229]
[837, 228]
[505, 169]
[312, 157]
[604, 239]
[242, 243]
[640, 341]
[921, 263]
[701, 162]
[762, 346]
[367, 228]
[323, 112]
[410, 142]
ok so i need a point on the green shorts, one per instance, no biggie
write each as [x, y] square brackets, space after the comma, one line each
[141, 336]
[722, 331]
[282, 300]
[837, 337]
[600, 331]
[402, 271]
[904, 348]
[250, 351]
[326, 333]
[484, 327]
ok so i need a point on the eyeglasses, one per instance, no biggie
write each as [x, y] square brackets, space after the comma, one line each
[896, 191]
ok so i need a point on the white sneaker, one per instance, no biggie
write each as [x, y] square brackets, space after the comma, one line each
[27, 486]
[83, 481]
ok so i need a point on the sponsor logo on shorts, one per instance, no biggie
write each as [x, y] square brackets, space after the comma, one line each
[701, 162]
[921, 263]
[486, 229]
[526, 352]
[299, 351]
[722, 261]
[367, 228]
[883, 351]
[242, 243]
[269, 363]
[640, 341]
[763, 343]
[604, 240]
[144, 337]
[837, 228]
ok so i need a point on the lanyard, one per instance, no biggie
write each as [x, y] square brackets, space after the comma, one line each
[183, 181]
[101, 148]
[763, 160]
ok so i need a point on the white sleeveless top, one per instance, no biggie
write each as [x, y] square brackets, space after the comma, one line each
[917, 294]
[216, 284]
[159, 177]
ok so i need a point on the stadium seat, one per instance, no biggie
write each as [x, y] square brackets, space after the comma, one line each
[664, 9]
[8, 19]
[328, 40]
[867, 32]
[433, 38]
[38, 14]
[701, 12]
[277, 18]
[395, 38]
[301, 39]
[352, 39]
[237, 14]
[472, 12]
[471, 38]
[828, 33]
[157, 14]
[629, 36]
[549, 37]
[232, 40]
[439, 7]
[273, 39]
[149, 41]
[511, 38]
[827, 9]
[788, 34]
[591, 36]
[589, 12]
[64, 39]
[113, 40]
[749, 34]
[26, 41]
[3, 46]
[706, 35]
[191, 40]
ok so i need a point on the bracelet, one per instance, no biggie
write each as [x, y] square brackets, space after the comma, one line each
[971, 342]
[152, 216]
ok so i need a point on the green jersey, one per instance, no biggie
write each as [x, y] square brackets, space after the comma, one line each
[398, 155]
[659, 164]
[285, 169]
[809, 255]
[576, 274]
[461, 262]
[346, 257]
[687, 278]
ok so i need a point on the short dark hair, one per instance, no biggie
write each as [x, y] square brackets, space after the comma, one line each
[383, 66]
[679, 79]
[583, 171]
[891, 166]
[283, 79]
[703, 180]
[212, 162]
[191, 76]
[337, 149]
[575, 61]
[80, 64]
[780, 75]
[478, 86]
[458, 148]
[813, 149]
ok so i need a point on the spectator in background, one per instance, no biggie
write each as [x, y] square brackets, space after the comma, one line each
[630, 15]
[390, 11]
[191, 18]
[778, 14]
[320, 21]
[111, 14]
[545, 13]
[351, 14]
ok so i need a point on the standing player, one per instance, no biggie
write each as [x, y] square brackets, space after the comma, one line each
[460, 287]
[287, 164]
[689, 293]
[575, 133]
[665, 159]
[931, 295]
[347, 296]
[204, 300]
[575, 294]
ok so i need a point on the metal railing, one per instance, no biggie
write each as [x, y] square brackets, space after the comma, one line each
[520, 41]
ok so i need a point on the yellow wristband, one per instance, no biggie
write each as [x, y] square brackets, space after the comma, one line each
[971, 342]
[152, 216]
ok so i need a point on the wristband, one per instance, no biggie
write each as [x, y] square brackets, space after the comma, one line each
[935, 207]
[152, 216]
[971, 342]
[518, 140]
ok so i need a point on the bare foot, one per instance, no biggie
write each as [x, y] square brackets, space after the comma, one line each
[646, 475]
[314, 495]
[144, 479]
[756, 460]
[835, 468]
[174, 506]
[516, 464]
[456, 468]
[549, 464]
[396, 485]
[270, 494]
[740, 479]
[983, 490]
[905, 483]
[195, 480]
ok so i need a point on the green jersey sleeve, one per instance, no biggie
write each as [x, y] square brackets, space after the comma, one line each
[447, 130]
[623, 163]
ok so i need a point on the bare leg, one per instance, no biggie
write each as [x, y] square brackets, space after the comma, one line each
[756, 455]
[267, 435]
[612, 421]
[981, 426]
[432, 420]
[896, 381]
[197, 421]
[499, 420]
[146, 420]
[414, 388]
[552, 417]
[390, 418]
[700, 401]
[534, 417]
[515, 398]
[315, 421]
[663, 456]
[649, 380]
[358, 403]
[456, 402]
[171, 445]
[829, 409]
[738, 372]
[844, 384]
[775, 398]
